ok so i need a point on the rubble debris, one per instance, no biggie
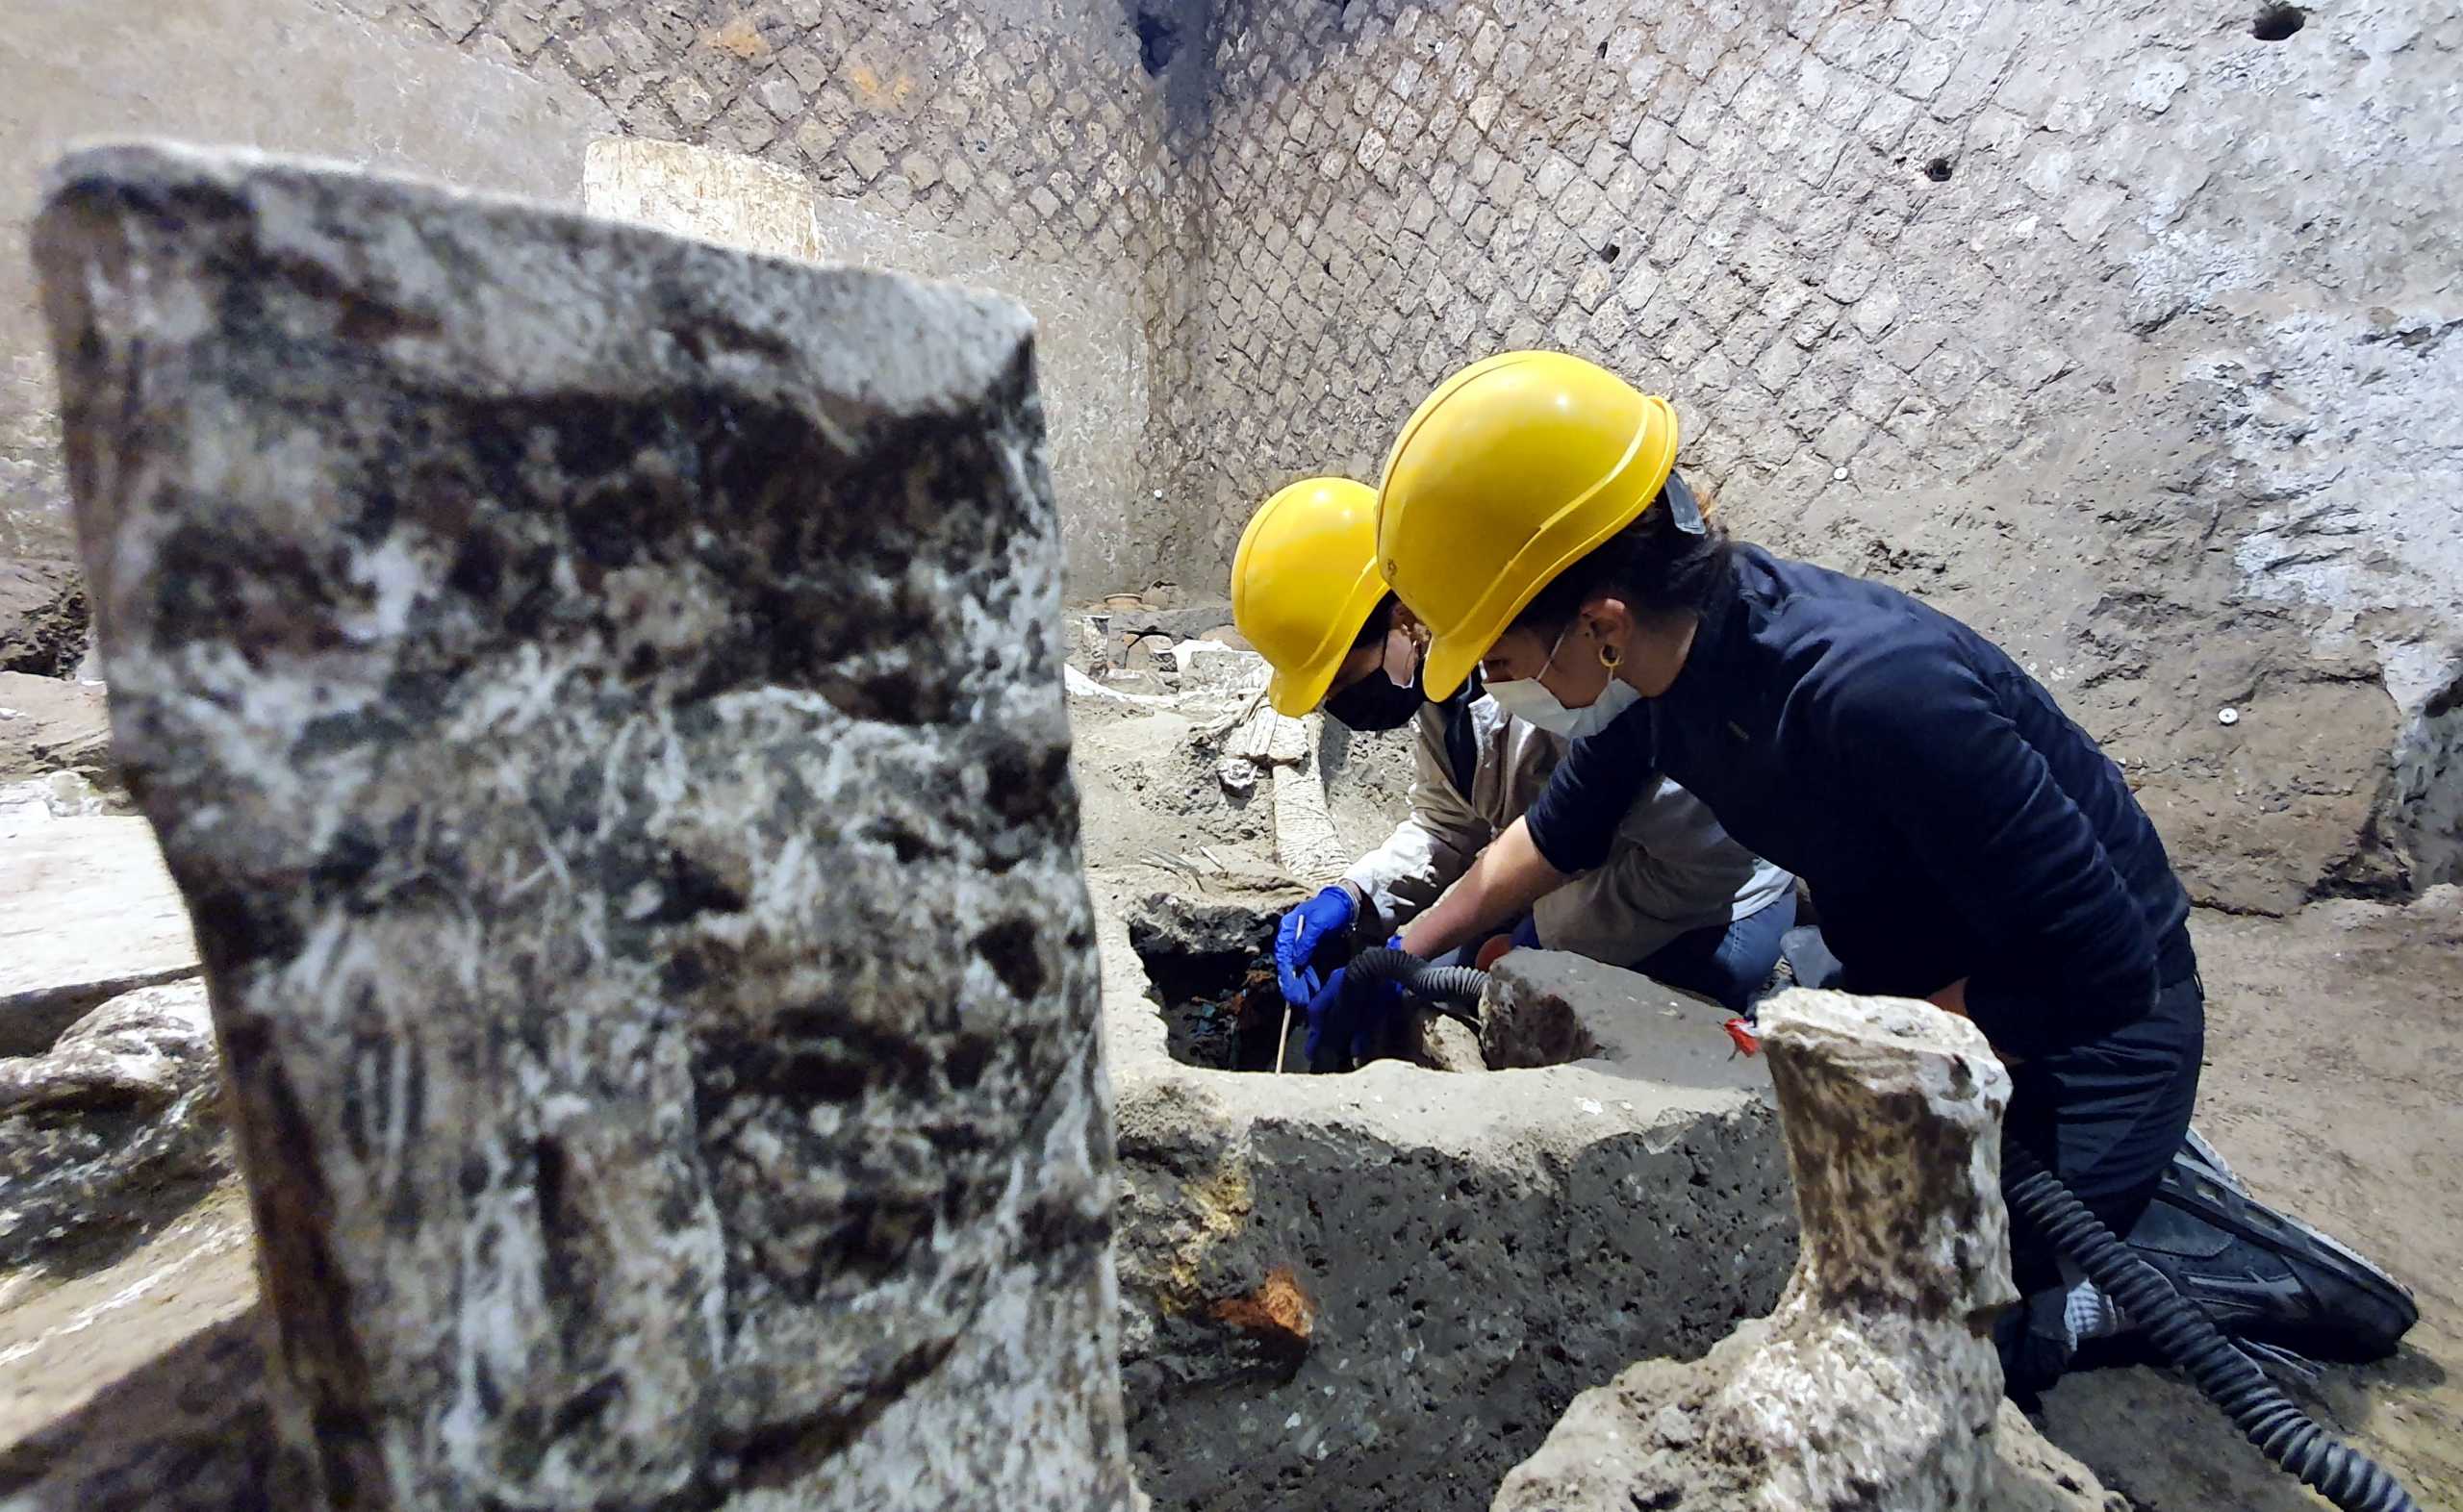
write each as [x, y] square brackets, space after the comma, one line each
[637, 866]
[118, 1121]
[1874, 1383]
[43, 617]
[61, 795]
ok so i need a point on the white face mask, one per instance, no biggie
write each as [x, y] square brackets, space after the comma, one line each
[1528, 700]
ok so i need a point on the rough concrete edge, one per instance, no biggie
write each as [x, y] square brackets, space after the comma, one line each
[997, 326]
[1410, 1106]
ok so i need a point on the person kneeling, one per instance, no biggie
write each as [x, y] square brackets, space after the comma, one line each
[1675, 899]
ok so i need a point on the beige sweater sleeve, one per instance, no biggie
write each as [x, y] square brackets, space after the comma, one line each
[1434, 843]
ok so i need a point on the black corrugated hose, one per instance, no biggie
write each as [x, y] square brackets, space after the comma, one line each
[1448, 986]
[2179, 1327]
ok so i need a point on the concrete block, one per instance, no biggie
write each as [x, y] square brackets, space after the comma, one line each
[1375, 1289]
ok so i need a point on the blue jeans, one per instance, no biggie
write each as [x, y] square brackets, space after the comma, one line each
[1725, 963]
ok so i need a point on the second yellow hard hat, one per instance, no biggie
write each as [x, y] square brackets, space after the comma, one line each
[1303, 583]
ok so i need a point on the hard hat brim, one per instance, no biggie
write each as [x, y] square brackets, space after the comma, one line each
[1297, 697]
[1447, 663]
[1298, 693]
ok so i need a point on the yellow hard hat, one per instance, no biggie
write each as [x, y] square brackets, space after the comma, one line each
[1514, 469]
[1303, 583]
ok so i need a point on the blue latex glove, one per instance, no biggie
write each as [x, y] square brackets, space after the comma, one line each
[1296, 942]
[1341, 1023]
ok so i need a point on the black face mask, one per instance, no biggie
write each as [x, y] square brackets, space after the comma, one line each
[1374, 704]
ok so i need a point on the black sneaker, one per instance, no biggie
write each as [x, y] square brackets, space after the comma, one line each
[2265, 1277]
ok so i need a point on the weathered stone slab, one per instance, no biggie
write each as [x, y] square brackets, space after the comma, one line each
[1873, 1384]
[87, 912]
[598, 693]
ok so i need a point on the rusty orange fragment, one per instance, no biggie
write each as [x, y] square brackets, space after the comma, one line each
[1278, 1309]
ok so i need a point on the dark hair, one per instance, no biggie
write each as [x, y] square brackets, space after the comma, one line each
[1654, 567]
[1380, 620]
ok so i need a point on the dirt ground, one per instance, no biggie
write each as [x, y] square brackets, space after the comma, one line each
[2335, 1045]
[2334, 1050]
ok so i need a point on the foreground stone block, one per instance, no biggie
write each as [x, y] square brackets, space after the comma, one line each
[1379, 1290]
[597, 695]
[1873, 1384]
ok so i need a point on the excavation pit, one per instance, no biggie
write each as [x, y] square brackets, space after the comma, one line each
[1209, 971]
[1397, 1202]
[1210, 974]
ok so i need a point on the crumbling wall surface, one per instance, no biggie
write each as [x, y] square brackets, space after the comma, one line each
[2119, 331]
[1030, 146]
[599, 697]
[1027, 146]
[286, 75]
[1377, 1290]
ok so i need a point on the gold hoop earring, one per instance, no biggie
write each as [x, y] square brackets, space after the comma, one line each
[1609, 655]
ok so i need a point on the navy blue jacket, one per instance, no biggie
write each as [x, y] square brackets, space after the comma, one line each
[1950, 820]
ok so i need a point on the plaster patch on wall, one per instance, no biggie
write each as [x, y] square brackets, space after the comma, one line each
[2353, 424]
[719, 197]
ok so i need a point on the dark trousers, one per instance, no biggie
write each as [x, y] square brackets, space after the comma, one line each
[2108, 1115]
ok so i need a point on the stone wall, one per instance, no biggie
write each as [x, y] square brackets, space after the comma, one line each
[1022, 145]
[1029, 146]
[2120, 331]
[290, 75]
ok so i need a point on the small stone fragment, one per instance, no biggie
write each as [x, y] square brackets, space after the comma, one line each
[127, 1104]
